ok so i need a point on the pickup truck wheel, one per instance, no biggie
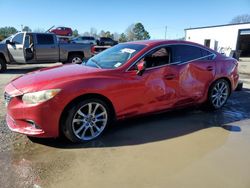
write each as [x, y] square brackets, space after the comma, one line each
[3, 65]
[75, 59]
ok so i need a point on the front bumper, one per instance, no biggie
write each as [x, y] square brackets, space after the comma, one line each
[24, 127]
[40, 120]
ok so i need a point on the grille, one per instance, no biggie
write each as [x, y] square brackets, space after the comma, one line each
[7, 98]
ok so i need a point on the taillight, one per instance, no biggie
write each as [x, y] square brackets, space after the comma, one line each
[92, 50]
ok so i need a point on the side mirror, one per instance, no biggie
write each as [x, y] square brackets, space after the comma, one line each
[141, 67]
[9, 42]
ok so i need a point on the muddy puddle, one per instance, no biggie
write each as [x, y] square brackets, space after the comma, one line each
[184, 148]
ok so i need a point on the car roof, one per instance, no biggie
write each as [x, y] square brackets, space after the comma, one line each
[162, 42]
[87, 36]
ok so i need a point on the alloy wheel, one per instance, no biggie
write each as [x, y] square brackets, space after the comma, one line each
[219, 94]
[89, 121]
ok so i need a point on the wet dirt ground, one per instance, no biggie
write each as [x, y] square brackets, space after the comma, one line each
[184, 148]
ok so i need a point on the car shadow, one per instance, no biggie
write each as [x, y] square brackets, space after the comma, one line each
[166, 125]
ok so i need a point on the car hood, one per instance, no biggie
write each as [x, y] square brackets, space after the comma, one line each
[44, 78]
[2, 46]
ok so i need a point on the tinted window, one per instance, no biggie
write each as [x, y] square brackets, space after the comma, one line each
[45, 39]
[18, 39]
[88, 38]
[206, 54]
[184, 53]
[157, 58]
[106, 39]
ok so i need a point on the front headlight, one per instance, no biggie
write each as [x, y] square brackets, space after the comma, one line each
[40, 96]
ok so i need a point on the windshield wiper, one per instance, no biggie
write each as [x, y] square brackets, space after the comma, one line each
[96, 63]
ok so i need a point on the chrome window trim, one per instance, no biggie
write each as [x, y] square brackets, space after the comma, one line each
[174, 63]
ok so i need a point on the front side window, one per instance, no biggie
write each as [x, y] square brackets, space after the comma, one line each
[18, 39]
[157, 58]
[115, 57]
[45, 39]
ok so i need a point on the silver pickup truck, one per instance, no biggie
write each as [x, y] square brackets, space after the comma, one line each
[26, 47]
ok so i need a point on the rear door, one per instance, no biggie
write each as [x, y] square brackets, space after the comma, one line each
[46, 48]
[16, 49]
[194, 69]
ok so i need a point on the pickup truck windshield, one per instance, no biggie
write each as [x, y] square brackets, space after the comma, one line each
[114, 57]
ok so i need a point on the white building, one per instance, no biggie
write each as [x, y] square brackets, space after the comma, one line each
[223, 38]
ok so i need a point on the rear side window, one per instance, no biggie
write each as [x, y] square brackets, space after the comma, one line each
[88, 38]
[45, 39]
[184, 53]
[206, 54]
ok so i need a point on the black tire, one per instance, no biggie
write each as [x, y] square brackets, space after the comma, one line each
[218, 100]
[85, 124]
[75, 56]
[239, 86]
[3, 66]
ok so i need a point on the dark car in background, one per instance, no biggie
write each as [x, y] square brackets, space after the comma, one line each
[106, 41]
[63, 31]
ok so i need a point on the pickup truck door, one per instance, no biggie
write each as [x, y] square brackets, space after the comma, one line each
[46, 48]
[16, 48]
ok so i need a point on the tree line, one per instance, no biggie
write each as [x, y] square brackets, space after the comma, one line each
[134, 32]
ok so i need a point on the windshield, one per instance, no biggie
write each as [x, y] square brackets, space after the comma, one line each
[114, 57]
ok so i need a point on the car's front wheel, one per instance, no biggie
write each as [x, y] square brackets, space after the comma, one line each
[218, 94]
[86, 120]
[3, 66]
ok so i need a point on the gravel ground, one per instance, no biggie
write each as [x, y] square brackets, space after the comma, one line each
[6, 136]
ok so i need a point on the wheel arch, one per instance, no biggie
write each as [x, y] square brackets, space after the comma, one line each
[84, 97]
[76, 52]
[3, 57]
[224, 78]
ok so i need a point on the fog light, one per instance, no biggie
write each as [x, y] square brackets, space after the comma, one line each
[33, 124]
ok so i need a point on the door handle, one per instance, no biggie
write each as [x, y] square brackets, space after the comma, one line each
[210, 68]
[169, 76]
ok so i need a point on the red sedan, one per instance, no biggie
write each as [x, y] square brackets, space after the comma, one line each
[127, 80]
[63, 31]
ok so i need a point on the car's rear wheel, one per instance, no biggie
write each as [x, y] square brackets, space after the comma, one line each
[218, 94]
[86, 120]
[75, 59]
[3, 65]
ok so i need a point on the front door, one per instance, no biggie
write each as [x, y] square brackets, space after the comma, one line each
[16, 48]
[156, 89]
